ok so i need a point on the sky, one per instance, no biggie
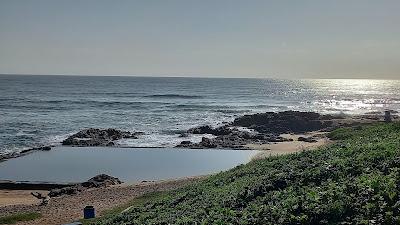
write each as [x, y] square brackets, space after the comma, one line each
[204, 38]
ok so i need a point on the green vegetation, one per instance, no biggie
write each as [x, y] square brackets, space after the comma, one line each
[354, 181]
[153, 196]
[14, 218]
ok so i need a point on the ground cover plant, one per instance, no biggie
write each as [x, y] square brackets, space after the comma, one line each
[14, 218]
[353, 181]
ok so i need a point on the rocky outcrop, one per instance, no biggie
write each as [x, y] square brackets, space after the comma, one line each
[283, 122]
[223, 130]
[11, 155]
[235, 140]
[98, 137]
[263, 128]
[102, 180]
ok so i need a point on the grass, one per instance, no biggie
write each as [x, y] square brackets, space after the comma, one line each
[354, 181]
[14, 218]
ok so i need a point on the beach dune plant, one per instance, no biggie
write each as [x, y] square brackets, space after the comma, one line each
[356, 180]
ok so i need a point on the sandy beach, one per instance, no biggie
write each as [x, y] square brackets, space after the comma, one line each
[18, 197]
[69, 208]
[281, 148]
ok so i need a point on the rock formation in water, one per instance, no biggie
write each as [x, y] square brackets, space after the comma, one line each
[262, 128]
[284, 122]
[98, 137]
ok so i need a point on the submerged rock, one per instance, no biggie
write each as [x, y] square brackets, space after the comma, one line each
[98, 137]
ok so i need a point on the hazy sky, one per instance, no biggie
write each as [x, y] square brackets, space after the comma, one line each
[246, 38]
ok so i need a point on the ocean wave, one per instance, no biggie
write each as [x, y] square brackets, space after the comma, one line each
[58, 105]
[174, 96]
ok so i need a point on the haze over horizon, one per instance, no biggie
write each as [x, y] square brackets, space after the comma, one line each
[278, 39]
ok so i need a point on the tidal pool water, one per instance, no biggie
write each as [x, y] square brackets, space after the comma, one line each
[75, 164]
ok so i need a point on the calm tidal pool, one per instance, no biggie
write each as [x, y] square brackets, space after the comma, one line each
[74, 164]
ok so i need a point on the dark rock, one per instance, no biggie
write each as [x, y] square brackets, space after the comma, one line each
[267, 128]
[185, 144]
[282, 122]
[208, 143]
[42, 148]
[97, 137]
[223, 130]
[183, 135]
[98, 181]
[307, 139]
[102, 180]
[45, 148]
[25, 185]
[65, 191]
[26, 151]
[201, 130]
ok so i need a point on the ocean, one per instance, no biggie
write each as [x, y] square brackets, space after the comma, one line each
[43, 110]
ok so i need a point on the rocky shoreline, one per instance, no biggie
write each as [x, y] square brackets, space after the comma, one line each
[84, 138]
[264, 128]
[98, 137]
[253, 129]
[24, 152]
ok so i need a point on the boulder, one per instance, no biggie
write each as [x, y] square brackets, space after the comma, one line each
[201, 130]
[307, 139]
[98, 181]
[208, 143]
[185, 144]
[102, 180]
[222, 130]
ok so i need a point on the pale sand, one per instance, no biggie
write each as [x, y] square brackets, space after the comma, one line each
[17, 197]
[281, 148]
[66, 209]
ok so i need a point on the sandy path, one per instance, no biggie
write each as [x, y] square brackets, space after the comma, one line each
[281, 148]
[66, 209]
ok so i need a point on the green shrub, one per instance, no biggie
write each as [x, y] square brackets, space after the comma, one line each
[14, 218]
[354, 181]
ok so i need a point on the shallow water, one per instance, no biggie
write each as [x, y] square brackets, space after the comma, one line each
[73, 164]
[42, 110]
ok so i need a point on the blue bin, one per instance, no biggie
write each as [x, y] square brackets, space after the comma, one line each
[88, 212]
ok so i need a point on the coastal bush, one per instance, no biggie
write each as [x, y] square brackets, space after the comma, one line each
[353, 181]
[14, 218]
